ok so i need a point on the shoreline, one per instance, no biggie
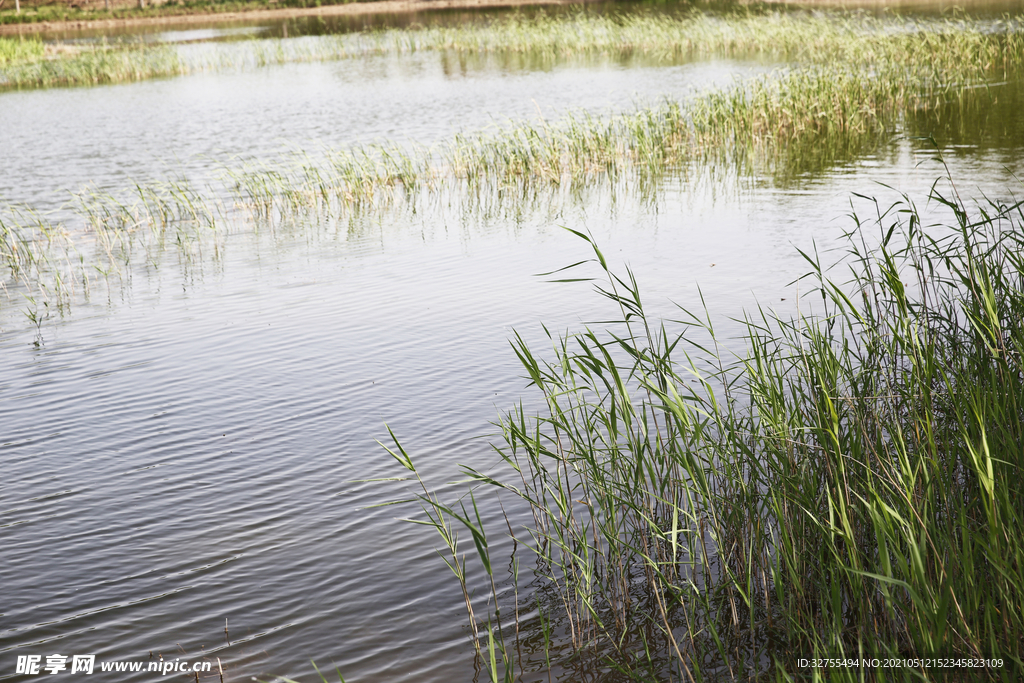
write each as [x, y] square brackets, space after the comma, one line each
[348, 9]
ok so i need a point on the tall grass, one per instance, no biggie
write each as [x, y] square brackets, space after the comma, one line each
[848, 487]
[817, 38]
[17, 50]
[94, 65]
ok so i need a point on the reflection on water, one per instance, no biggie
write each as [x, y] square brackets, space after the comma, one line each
[321, 25]
[184, 447]
[204, 34]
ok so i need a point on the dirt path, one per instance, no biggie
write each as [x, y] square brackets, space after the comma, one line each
[351, 9]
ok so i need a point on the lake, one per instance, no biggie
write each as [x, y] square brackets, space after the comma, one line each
[182, 445]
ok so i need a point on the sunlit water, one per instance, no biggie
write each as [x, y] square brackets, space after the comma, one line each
[182, 449]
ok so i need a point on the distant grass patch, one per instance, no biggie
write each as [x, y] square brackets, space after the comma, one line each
[14, 50]
[92, 65]
[818, 38]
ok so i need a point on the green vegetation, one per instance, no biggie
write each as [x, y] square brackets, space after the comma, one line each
[50, 265]
[94, 65]
[849, 486]
[17, 50]
[768, 124]
[817, 38]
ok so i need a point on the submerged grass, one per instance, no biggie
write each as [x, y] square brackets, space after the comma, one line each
[849, 487]
[50, 266]
[763, 126]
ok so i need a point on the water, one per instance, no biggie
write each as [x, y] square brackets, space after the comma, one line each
[182, 449]
[196, 125]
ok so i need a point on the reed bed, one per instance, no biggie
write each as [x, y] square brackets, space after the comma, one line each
[951, 51]
[800, 37]
[763, 125]
[16, 50]
[848, 487]
[94, 65]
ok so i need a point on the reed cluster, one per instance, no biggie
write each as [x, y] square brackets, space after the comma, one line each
[848, 487]
[798, 37]
[50, 265]
[92, 65]
[14, 50]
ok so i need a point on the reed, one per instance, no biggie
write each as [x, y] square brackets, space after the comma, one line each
[17, 50]
[105, 63]
[803, 37]
[771, 124]
[848, 487]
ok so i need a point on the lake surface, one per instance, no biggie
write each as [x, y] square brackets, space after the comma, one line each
[181, 448]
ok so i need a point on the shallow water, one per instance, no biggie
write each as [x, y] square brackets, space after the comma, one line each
[181, 449]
